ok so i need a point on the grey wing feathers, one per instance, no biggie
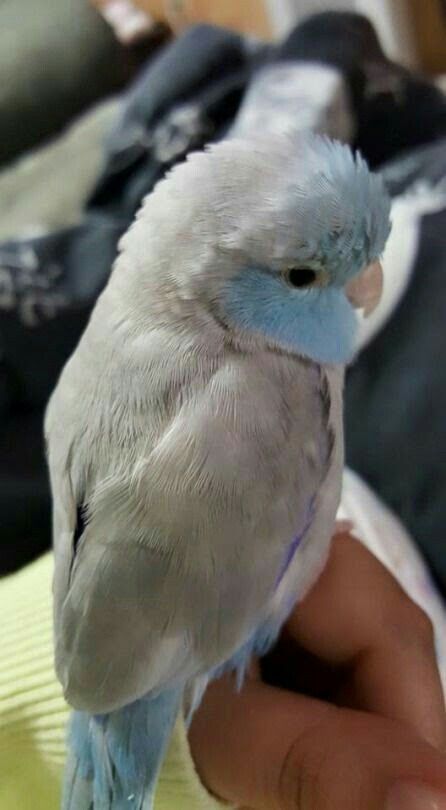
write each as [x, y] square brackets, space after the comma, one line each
[184, 534]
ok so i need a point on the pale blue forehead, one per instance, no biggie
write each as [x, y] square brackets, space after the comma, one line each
[340, 209]
[342, 260]
[347, 251]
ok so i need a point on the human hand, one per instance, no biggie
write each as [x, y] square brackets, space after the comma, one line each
[349, 714]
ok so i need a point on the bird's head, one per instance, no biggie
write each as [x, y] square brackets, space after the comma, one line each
[279, 238]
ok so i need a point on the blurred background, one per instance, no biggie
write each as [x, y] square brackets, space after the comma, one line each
[98, 98]
[411, 32]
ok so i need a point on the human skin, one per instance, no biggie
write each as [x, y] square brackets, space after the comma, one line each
[362, 713]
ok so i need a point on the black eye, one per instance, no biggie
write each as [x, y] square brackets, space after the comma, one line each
[301, 276]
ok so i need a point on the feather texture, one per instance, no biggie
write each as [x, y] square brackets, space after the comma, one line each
[195, 443]
[115, 758]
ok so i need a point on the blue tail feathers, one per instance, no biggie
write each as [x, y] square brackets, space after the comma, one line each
[114, 759]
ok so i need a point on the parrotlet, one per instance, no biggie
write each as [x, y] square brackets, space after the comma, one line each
[195, 440]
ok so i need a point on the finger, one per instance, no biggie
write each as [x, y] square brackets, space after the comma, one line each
[269, 749]
[357, 615]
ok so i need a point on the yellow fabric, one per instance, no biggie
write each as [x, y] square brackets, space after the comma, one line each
[33, 713]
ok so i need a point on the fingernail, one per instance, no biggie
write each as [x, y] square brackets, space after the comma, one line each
[346, 527]
[414, 796]
[343, 527]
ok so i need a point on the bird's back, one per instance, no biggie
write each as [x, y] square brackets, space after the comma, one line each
[197, 472]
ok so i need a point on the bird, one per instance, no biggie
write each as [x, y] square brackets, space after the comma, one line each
[194, 440]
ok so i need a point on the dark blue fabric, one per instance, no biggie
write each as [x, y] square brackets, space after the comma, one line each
[396, 393]
[395, 110]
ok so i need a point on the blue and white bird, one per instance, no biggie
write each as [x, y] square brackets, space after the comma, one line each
[195, 440]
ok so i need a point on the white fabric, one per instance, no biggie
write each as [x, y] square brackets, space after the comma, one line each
[384, 535]
[401, 252]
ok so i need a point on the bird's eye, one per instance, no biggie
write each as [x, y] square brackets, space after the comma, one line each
[300, 276]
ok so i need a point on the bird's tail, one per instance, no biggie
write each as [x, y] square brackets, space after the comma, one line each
[114, 759]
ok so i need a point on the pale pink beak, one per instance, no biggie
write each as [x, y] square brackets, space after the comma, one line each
[364, 290]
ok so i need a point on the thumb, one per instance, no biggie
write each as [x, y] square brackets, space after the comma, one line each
[269, 749]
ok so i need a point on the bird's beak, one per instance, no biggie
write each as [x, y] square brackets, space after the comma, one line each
[364, 290]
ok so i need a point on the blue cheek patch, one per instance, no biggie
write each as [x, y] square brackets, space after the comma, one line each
[317, 322]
